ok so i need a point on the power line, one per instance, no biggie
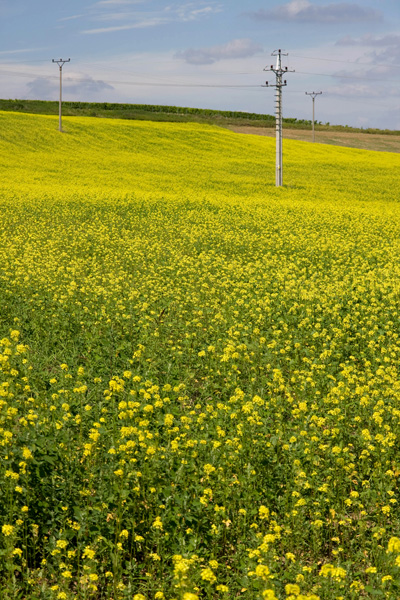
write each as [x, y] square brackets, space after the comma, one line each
[162, 84]
[138, 83]
[337, 76]
[334, 75]
[337, 60]
[350, 62]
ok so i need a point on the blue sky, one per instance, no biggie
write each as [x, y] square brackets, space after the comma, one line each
[209, 54]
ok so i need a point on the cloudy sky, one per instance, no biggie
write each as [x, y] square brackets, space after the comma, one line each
[209, 54]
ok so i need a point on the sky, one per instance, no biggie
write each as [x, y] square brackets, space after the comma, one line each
[209, 54]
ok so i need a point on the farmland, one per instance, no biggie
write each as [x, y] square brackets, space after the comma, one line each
[200, 391]
[299, 129]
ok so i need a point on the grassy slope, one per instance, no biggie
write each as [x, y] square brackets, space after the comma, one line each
[275, 310]
[237, 121]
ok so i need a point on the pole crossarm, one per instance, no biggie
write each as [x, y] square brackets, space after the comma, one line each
[61, 61]
[279, 71]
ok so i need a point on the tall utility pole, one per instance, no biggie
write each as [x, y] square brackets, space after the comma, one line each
[279, 71]
[313, 96]
[61, 62]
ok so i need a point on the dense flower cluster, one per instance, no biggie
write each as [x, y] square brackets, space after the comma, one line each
[200, 390]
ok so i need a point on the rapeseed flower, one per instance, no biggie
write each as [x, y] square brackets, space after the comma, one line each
[202, 362]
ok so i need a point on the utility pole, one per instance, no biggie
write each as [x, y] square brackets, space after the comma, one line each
[61, 62]
[313, 96]
[279, 71]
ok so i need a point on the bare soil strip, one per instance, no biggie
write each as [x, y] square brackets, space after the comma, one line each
[365, 141]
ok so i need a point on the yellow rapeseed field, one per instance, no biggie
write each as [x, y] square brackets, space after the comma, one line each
[200, 389]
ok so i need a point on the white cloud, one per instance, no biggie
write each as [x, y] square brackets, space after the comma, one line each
[46, 88]
[135, 19]
[377, 49]
[20, 51]
[357, 90]
[240, 48]
[189, 12]
[71, 18]
[305, 12]
[390, 39]
[141, 24]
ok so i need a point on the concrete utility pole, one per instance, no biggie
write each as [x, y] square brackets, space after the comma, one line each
[313, 96]
[61, 62]
[279, 71]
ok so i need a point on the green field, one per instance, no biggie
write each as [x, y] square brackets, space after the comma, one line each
[200, 390]
[180, 114]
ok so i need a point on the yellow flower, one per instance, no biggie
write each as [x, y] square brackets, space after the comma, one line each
[394, 544]
[209, 469]
[357, 586]
[329, 570]
[157, 524]
[290, 556]
[26, 453]
[208, 575]
[7, 530]
[292, 588]
[213, 564]
[67, 574]
[263, 572]
[269, 595]
[88, 553]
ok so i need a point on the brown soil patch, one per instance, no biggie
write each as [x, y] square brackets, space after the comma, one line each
[365, 141]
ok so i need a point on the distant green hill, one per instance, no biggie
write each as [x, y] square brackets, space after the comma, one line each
[155, 112]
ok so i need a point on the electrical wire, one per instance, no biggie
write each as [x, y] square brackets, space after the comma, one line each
[340, 76]
[179, 84]
[350, 62]
[137, 83]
